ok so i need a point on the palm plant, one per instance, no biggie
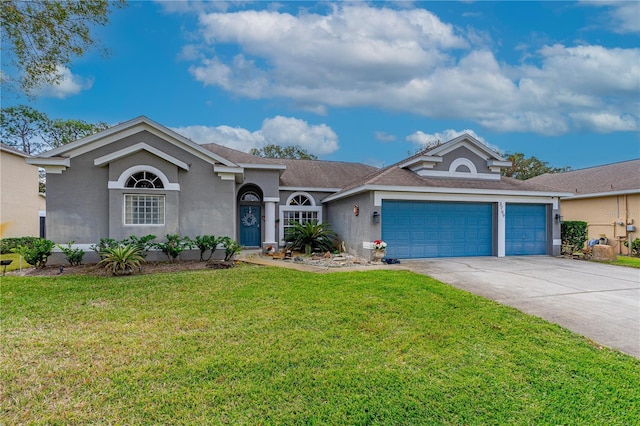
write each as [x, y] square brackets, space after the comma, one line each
[122, 259]
[311, 236]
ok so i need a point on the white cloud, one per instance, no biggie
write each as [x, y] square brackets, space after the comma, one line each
[407, 59]
[623, 16]
[284, 131]
[384, 137]
[434, 139]
[605, 122]
[70, 84]
[232, 137]
[287, 131]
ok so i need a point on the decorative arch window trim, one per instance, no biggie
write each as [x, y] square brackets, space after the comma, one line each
[124, 177]
[250, 197]
[299, 213]
[298, 195]
[455, 164]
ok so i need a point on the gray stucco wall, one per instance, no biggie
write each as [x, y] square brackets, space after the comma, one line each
[78, 203]
[352, 229]
[266, 180]
[81, 208]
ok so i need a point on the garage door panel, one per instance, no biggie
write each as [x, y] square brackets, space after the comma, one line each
[437, 229]
[526, 229]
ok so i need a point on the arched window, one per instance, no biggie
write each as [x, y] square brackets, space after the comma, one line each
[144, 180]
[300, 207]
[300, 200]
[144, 209]
[250, 196]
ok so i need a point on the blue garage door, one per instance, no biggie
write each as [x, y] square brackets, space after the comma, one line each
[419, 229]
[526, 229]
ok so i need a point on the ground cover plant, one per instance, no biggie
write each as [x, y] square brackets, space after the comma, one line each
[255, 345]
[632, 262]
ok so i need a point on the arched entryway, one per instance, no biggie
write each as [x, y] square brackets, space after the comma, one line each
[250, 216]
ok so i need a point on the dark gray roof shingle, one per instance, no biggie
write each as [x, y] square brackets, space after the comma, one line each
[623, 176]
[301, 173]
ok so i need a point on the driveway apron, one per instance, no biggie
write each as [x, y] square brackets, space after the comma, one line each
[599, 301]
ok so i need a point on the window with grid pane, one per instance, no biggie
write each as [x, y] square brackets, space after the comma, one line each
[143, 209]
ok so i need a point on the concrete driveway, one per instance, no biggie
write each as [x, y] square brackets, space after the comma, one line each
[599, 301]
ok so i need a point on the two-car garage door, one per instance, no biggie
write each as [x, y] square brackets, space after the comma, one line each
[419, 229]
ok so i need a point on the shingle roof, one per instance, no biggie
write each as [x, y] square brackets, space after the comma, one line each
[623, 176]
[301, 173]
[395, 176]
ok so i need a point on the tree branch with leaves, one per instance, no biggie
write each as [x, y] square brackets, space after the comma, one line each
[44, 36]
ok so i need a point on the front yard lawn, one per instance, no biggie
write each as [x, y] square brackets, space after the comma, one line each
[633, 262]
[256, 345]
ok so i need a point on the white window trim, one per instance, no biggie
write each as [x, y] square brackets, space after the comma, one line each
[124, 210]
[122, 180]
[312, 208]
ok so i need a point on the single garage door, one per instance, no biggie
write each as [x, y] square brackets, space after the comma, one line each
[419, 229]
[526, 229]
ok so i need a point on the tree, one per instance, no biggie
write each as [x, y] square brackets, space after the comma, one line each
[525, 168]
[60, 132]
[45, 35]
[22, 127]
[276, 151]
[31, 131]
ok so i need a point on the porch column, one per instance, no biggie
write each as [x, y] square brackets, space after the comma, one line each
[270, 221]
[502, 225]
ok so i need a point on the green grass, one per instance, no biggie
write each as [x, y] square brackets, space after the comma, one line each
[632, 262]
[256, 345]
[15, 265]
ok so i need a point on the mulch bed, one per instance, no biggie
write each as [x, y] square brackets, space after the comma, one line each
[147, 268]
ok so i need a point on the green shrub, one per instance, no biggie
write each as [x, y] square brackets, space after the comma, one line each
[7, 244]
[121, 260]
[104, 244]
[37, 253]
[73, 255]
[144, 244]
[174, 246]
[204, 243]
[635, 247]
[573, 234]
[231, 248]
[311, 236]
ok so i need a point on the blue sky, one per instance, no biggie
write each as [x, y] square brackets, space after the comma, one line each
[369, 81]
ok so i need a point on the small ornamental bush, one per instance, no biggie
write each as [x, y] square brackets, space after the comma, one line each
[573, 234]
[121, 260]
[7, 244]
[311, 236]
[635, 247]
[204, 243]
[144, 244]
[73, 255]
[174, 246]
[104, 244]
[231, 248]
[37, 253]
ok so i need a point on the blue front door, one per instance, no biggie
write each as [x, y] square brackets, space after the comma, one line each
[250, 218]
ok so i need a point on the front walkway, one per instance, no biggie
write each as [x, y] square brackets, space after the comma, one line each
[599, 301]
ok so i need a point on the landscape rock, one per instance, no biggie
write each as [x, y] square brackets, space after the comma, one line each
[603, 252]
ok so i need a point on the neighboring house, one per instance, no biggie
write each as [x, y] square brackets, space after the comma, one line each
[606, 197]
[141, 178]
[21, 205]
